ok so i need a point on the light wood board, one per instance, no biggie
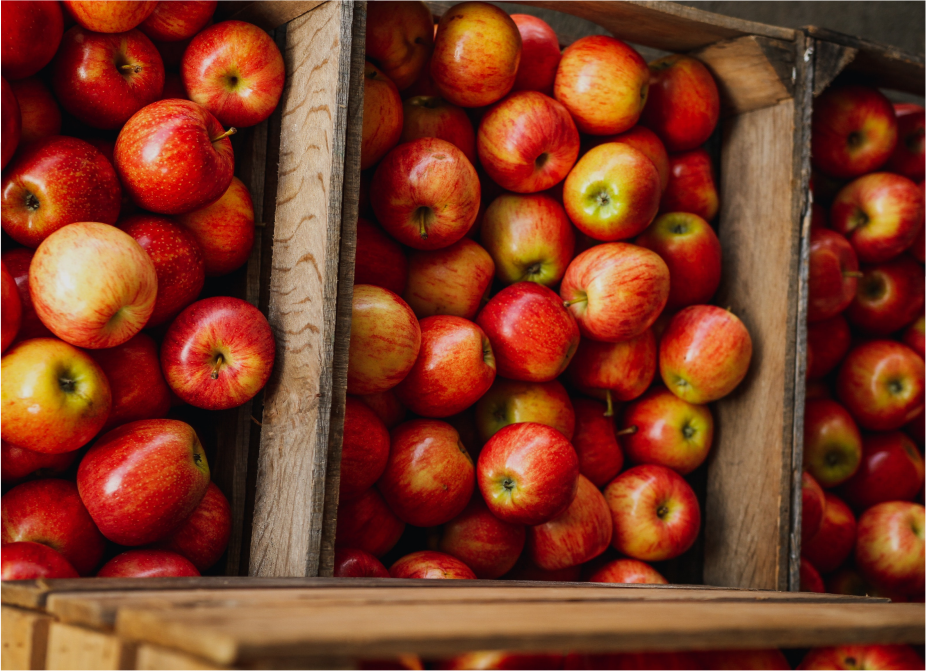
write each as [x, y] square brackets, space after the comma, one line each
[72, 647]
[25, 638]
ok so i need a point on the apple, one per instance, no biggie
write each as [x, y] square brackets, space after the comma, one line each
[454, 280]
[891, 469]
[834, 540]
[351, 563]
[203, 537]
[173, 157]
[367, 523]
[380, 260]
[364, 450]
[12, 308]
[102, 16]
[880, 213]
[224, 230]
[385, 339]
[387, 407]
[862, 657]
[691, 187]
[528, 473]
[691, 250]
[31, 561]
[41, 116]
[636, 660]
[218, 353]
[819, 218]
[595, 442]
[527, 142]
[430, 565]
[618, 371]
[889, 297]
[853, 131]
[31, 32]
[612, 193]
[889, 552]
[540, 55]
[148, 564]
[477, 51]
[683, 104]
[55, 398]
[432, 116]
[141, 480]
[503, 659]
[533, 336]
[846, 581]
[910, 151]
[19, 462]
[914, 336]
[832, 443]
[810, 578]
[828, 342]
[383, 116]
[813, 502]
[527, 570]
[12, 122]
[881, 383]
[513, 402]
[424, 85]
[17, 262]
[55, 182]
[628, 571]
[736, 660]
[399, 39]
[603, 82]
[488, 545]
[104, 79]
[615, 291]
[833, 275]
[174, 21]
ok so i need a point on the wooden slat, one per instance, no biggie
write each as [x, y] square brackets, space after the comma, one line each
[156, 658]
[25, 638]
[830, 59]
[72, 647]
[267, 15]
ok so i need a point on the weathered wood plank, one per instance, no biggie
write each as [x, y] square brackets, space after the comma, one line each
[25, 638]
[73, 647]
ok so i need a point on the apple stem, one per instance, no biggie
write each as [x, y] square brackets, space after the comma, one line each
[218, 364]
[609, 410]
[230, 131]
[853, 273]
[129, 67]
[566, 304]
[629, 431]
[422, 226]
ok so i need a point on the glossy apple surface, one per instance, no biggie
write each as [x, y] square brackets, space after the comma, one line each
[364, 450]
[104, 17]
[832, 442]
[454, 280]
[540, 55]
[910, 151]
[595, 442]
[862, 657]
[203, 537]
[813, 501]
[514, 402]
[891, 469]
[833, 278]
[30, 34]
[692, 187]
[12, 308]
[41, 116]
[828, 342]
[834, 540]
[628, 571]
[367, 523]
[352, 563]
[810, 578]
[380, 260]
[890, 548]
[430, 565]
[18, 462]
[174, 21]
[432, 116]
[12, 123]
[488, 545]
[30, 561]
[619, 371]
[890, 296]
[383, 116]
[683, 104]
[501, 659]
[399, 39]
[148, 564]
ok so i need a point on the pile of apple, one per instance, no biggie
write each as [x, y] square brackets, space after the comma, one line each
[595, 265]
[116, 226]
[863, 522]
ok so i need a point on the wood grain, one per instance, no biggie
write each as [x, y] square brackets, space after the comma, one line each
[157, 658]
[830, 59]
[25, 638]
[72, 647]
[267, 15]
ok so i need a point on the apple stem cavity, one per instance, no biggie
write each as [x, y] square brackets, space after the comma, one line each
[609, 409]
[219, 360]
[130, 67]
[229, 132]
[629, 431]
[32, 201]
[566, 304]
[423, 214]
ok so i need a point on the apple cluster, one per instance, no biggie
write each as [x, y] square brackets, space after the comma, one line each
[534, 245]
[119, 200]
[863, 517]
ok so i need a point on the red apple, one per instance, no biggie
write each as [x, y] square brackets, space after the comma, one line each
[142, 480]
[846, 581]
[503, 659]
[533, 336]
[834, 540]
[432, 116]
[107, 147]
[880, 213]
[29, 37]
[817, 389]
[618, 371]
[12, 122]
[691, 250]
[810, 578]
[218, 353]
[881, 383]
[431, 565]
[383, 116]
[833, 274]
[203, 537]
[488, 545]
[41, 116]
[862, 657]
[527, 570]
[540, 55]
[174, 157]
[55, 182]
[513, 402]
[615, 291]
[17, 262]
[889, 297]
[12, 308]
[380, 259]
[351, 563]
[387, 407]
[889, 552]
[454, 280]
[174, 21]
[683, 105]
[736, 660]
[31, 561]
[148, 564]
[364, 451]
[400, 36]
[104, 17]
[813, 502]
[891, 469]
[595, 442]
[692, 187]
[477, 51]
[909, 152]
[828, 342]
[628, 571]
[19, 462]
[819, 218]
[367, 523]
[914, 336]
[55, 397]
[853, 132]
[832, 443]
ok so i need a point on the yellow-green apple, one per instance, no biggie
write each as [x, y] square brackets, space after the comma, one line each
[218, 353]
[527, 142]
[832, 442]
[533, 336]
[813, 501]
[880, 213]
[367, 523]
[540, 55]
[364, 449]
[50, 512]
[655, 513]
[224, 230]
[102, 16]
[691, 186]
[914, 336]
[862, 657]
[595, 442]
[203, 537]
[833, 276]
[12, 308]
[400, 36]
[104, 79]
[174, 21]
[910, 151]
[432, 116]
[29, 37]
[810, 578]
[18, 462]
[828, 342]
[603, 82]
[881, 383]
[514, 402]
[647, 142]
[29, 561]
[834, 540]
[525, 569]
[704, 353]
[383, 116]
[17, 262]
[429, 477]
[683, 104]
[430, 565]
[577, 535]
[148, 564]
[55, 182]
[41, 116]
[174, 157]
[12, 122]
[427, 193]
[380, 260]
[660, 428]
[55, 398]
[502, 659]
[615, 291]
[384, 340]
[891, 469]
[853, 131]
[488, 545]
[386, 405]
[612, 193]
[735, 660]
[618, 371]
[454, 280]
[92, 285]
[141, 480]
[889, 296]
[528, 473]
[476, 54]
[628, 571]
[691, 250]
[529, 237]
[889, 552]
[353, 563]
